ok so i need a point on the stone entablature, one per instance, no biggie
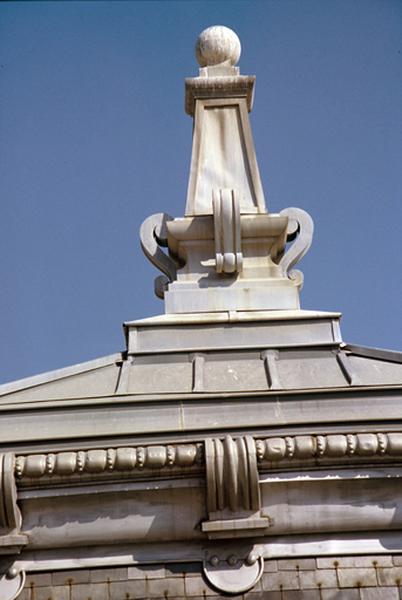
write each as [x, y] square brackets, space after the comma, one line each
[229, 488]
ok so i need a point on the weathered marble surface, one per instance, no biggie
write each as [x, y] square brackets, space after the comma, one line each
[237, 444]
[371, 577]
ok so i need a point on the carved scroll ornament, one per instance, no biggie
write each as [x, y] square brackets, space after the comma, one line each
[11, 540]
[226, 209]
[234, 575]
[11, 582]
[233, 501]
[153, 236]
[300, 229]
[233, 491]
[232, 475]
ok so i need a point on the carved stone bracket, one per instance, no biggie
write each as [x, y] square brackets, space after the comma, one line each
[153, 236]
[228, 256]
[300, 228]
[233, 492]
[234, 574]
[11, 540]
[11, 582]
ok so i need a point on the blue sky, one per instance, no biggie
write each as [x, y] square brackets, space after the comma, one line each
[94, 138]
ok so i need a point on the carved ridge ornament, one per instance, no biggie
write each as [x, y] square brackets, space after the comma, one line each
[331, 446]
[112, 459]
[271, 450]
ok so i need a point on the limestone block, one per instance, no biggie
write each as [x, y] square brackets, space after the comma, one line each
[377, 594]
[70, 577]
[283, 580]
[296, 564]
[94, 591]
[363, 577]
[389, 577]
[324, 578]
[104, 575]
[345, 594]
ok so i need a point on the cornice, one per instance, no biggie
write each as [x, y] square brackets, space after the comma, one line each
[160, 460]
[152, 398]
[199, 88]
[110, 460]
[340, 448]
[194, 415]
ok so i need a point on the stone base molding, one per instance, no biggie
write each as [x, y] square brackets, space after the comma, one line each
[332, 578]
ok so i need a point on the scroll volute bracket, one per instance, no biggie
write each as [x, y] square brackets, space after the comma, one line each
[12, 540]
[233, 491]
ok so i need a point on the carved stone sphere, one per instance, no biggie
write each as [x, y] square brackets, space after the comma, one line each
[217, 45]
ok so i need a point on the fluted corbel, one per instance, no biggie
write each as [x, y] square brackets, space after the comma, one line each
[233, 490]
[11, 540]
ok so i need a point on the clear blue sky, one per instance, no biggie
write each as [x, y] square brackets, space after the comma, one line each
[93, 139]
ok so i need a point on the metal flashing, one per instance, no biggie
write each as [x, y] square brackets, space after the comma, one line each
[377, 353]
[64, 372]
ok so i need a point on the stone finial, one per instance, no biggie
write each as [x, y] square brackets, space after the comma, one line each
[227, 253]
[217, 45]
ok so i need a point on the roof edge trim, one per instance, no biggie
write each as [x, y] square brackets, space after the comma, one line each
[49, 376]
[377, 353]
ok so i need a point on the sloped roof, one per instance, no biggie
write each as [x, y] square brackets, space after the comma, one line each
[300, 368]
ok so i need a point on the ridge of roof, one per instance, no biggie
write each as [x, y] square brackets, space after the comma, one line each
[377, 353]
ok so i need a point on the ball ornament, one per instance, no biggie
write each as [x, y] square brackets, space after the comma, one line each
[216, 45]
[12, 573]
